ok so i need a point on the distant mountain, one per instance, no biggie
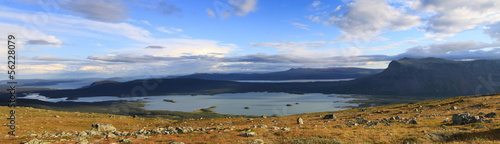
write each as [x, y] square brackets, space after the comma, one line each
[429, 76]
[291, 74]
[432, 76]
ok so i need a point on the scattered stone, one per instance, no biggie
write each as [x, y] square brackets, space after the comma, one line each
[246, 107]
[125, 140]
[176, 142]
[480, 127]
[249, 134]
[454, 108]
[257, 141]
[102, 127]
[464, 128]
[274, 128]
[285, 129]
[56, 116]
[264, 116]
[84, 141]
[140, 136]
[413, 122]
[300, 121]
[464, 118]
[491, 115]
[261, 126]
[389, 134]
[329, 116]
[289, 105]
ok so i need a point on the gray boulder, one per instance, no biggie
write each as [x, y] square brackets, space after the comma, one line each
[329, 116]
[102, 127]
[300, 121]
[464, 118]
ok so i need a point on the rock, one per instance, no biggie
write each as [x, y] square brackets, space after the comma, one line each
[176, 143]
[56, 116]
[464, 118]
[464, 128]
[413, 122]
[389, 134]
[102, 127]
[125, 140]
[329, 116]
[84, 141]
[262, 126]
[300, 121]
[140, 136]
[246, 107]
[249, 134]
[481, 113]
[34, 141]
[110, 135]
[480, 127]
[491, 115]
[274, 128]
[263, 116]
[289, 105]
[257, 141]
[285, 129]
[454, 108]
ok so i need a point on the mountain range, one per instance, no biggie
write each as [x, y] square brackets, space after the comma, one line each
[427, 76]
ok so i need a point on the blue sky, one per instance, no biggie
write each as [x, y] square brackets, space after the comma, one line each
[115, 38]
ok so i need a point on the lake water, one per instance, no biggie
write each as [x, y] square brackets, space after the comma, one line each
[260, 103]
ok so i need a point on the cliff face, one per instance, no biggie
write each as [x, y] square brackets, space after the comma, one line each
[434, 76]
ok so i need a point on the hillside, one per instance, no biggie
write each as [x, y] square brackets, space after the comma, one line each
[432, 76]
[433, 121]
[291, 74]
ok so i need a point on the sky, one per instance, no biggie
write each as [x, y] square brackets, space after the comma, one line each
[59, 39]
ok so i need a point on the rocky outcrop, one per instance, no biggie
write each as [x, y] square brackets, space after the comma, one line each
[464, 118]
[99, 127]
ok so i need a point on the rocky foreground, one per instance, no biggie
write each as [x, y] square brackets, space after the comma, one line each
[468, 119]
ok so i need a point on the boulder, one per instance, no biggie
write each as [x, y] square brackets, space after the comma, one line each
[329, 116]
[413, 122]
[300, 121]
[491, 115]
[249, 134]
[102, 127]
[464, 118]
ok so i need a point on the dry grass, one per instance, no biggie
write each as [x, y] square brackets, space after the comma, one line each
[315, 129]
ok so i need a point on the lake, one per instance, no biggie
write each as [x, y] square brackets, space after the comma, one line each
[260, 103]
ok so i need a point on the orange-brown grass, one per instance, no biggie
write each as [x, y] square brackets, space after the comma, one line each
[315, 129]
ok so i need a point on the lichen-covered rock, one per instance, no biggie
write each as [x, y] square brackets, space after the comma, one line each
[102, 127]
[464, 118]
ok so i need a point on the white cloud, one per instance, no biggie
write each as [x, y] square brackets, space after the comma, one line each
[363, 20]
[31, 36]
[168, 49]
[301, 26]
[314, 49]
[51, 21]
[448, 18]
[316, 3]
[243, 7]
[210, 13]
[100, 10]
[52, 58]
[169, 30]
